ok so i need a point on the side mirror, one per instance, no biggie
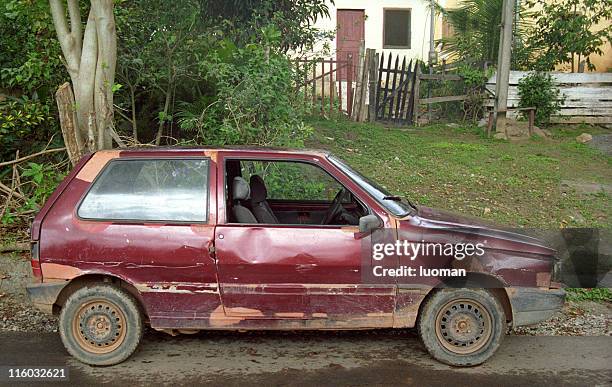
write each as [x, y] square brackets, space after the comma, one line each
[369, 223]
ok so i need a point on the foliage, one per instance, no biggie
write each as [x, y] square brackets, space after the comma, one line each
[30, 70]
[475, 25]
[29, 54]
[309, 182]
[564, 33]
[253, 100]
[37, 183]
[539, 90]
[20, 119]
[596, 294]
[293, 20]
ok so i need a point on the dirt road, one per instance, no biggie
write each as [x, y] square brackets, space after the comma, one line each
[323, 358]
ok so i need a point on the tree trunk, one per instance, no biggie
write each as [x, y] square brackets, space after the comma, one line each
[133, 103]
[90, 61]
[68, 122]
[160, 129]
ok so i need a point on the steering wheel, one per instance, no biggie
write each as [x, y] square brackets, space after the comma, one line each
[335, 207]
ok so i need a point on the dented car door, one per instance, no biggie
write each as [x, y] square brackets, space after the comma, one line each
[298, 272]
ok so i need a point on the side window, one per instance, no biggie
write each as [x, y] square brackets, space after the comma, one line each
[287, 180]
[149, 190]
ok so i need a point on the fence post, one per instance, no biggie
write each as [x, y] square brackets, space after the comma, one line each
[349, 85]
[323, 86]
[417, 86]
[331, 86]
[357, 101]
[373, 60]
[314, 85]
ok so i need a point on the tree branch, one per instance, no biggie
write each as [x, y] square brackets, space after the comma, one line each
[19, 160]
[67, 42]
[76, 29]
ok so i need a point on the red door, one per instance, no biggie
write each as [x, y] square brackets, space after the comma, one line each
[350, 33]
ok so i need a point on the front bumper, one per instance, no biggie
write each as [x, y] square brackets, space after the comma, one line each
[533, 305]
[44, 295]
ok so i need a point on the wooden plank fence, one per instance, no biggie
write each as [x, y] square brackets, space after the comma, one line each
[323, 82]
[395, 88]
[588, 96]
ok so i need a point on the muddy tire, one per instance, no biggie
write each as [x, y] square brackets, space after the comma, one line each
[101, 324]
[462, 327]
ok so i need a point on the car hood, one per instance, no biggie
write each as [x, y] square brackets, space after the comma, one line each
[435, 224]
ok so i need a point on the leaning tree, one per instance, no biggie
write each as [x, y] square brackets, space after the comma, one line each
[86, 116]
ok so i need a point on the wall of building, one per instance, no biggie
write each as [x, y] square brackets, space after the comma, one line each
[374, 24]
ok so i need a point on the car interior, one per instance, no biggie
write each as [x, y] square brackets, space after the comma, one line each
[287, 192]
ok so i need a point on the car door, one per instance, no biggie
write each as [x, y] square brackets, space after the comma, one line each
[299, 271]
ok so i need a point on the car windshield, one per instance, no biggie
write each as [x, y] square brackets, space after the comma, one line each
[394, 204]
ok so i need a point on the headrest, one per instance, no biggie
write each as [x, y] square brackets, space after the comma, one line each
[259, 193]
[240, 189]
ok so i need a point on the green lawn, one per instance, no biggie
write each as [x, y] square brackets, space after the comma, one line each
[457, 168]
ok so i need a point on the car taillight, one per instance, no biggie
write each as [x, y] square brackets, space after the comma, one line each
[35, 261]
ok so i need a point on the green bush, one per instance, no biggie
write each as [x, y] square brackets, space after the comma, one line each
[23, 120]
[596, 294]
[252, 99]
[539, 90]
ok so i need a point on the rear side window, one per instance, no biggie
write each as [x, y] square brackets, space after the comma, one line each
[149, 190]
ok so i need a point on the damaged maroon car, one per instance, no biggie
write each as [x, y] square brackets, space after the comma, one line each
[188, 239]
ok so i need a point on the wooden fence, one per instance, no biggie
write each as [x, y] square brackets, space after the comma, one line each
[395, 89]
[325, 80]
[588, 96]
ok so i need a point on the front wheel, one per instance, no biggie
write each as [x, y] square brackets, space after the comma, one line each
[101, 325]
[462, 327]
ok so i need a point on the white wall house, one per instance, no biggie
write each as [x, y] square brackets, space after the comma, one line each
[398, 26]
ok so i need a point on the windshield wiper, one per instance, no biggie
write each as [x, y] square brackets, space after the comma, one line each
[392, 197]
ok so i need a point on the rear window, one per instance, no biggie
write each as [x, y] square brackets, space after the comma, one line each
[149, 190]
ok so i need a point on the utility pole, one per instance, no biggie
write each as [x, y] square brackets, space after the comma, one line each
[432, 57]
[503, 66]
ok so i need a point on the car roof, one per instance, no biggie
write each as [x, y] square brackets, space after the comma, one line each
[229, 149]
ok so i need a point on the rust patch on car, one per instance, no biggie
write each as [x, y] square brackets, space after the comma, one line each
[186, 288]
[289, 314]
[57, 271]
[211, 154]
[95, 164]
[200, 228]
[407, 307]
[223, 317]
[94, 227]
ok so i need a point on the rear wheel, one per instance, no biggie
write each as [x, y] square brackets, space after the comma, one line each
[462, 327]
[101, 324]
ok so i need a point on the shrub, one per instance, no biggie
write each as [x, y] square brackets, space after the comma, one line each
[538, 90]
[23, 121]
[252, 99]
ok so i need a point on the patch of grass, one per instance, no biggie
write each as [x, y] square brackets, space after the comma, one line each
[582, 294]
[456, 168]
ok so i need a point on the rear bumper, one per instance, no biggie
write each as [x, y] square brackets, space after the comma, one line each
[533, 305]
[44, 295]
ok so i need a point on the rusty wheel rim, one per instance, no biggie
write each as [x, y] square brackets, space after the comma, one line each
[99, 326]
[463, 326]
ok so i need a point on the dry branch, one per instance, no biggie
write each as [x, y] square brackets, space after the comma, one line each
[19, 160]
